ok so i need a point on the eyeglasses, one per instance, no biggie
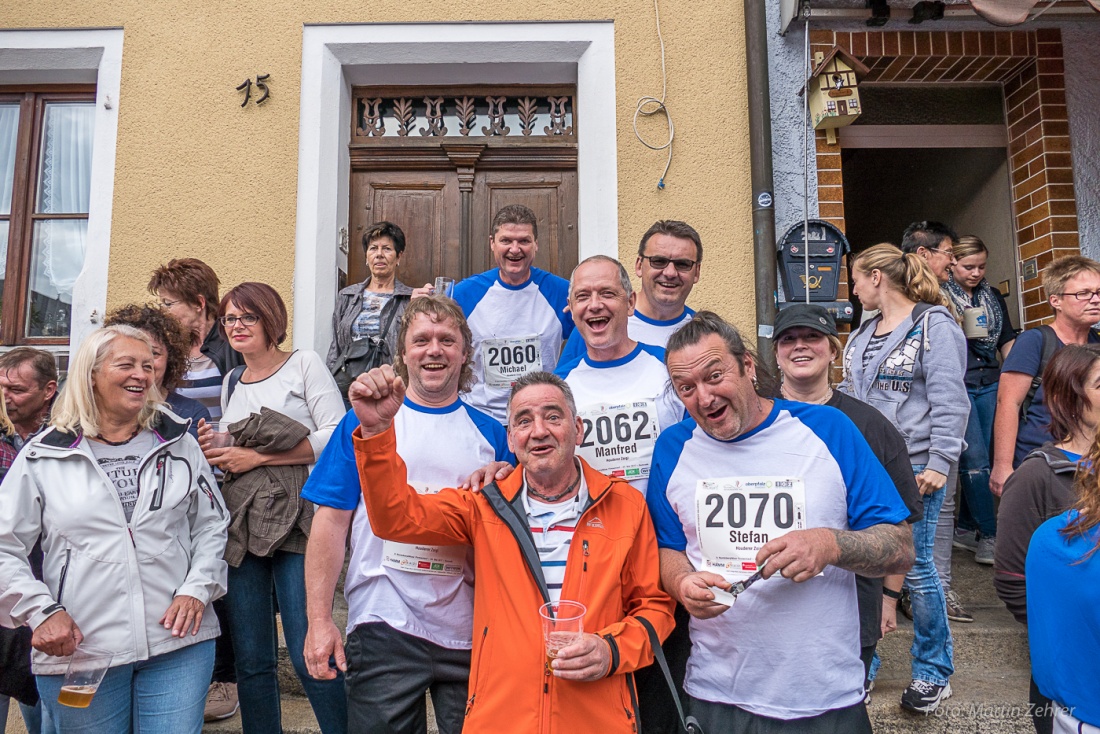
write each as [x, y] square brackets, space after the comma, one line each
[1083, 295]
[165, 303]
[950, 253]
[247, 319]
[681, 264]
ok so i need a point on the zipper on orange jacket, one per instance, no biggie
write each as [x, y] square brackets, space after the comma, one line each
[477, 672]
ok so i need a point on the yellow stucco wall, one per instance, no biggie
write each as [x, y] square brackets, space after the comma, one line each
[197, 175]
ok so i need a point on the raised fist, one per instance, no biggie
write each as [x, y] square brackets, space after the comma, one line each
[376, 396]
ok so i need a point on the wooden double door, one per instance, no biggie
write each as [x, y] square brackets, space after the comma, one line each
[443, 183]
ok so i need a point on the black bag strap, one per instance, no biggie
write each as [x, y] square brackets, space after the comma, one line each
[689, 723]
[234, 378]
[1050, 346]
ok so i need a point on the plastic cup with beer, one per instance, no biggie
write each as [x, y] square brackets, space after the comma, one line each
[562, 625]
[444, 286]
[86, 669]
[221, 438]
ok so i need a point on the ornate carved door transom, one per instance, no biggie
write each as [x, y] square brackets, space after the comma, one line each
[440, 161]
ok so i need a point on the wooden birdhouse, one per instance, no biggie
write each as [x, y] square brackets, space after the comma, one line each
[834, 91]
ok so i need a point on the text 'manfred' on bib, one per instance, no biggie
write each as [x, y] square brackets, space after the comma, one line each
[436, 560]
[618, 439]
[507, 360]
[736, 516]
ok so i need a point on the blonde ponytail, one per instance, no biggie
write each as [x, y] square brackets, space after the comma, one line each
[908, 274]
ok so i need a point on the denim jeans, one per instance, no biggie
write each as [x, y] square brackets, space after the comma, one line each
[250, 604]
[165, 694]
[932, 648]
[945, 529]
[976, 511]
[32, 715]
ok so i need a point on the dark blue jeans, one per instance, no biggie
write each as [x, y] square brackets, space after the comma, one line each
[251, 619]
[976, 511]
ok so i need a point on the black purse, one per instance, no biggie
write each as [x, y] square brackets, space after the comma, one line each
[363, 356]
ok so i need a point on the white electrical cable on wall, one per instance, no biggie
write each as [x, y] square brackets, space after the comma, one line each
[649, 106]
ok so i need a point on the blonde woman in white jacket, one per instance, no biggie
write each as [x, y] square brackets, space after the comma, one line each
[133, 529]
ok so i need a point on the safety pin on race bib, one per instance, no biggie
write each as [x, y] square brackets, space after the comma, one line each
[721, 596]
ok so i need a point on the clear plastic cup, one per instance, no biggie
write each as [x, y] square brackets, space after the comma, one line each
[562, 625]
[86, 669]
[221, 438]
[444, 286]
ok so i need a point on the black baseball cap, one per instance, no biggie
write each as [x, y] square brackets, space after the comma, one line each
[805, 314]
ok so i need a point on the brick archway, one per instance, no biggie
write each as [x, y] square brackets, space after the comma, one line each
[1029, 66]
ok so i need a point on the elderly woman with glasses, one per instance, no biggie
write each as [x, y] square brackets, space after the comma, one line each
[281, 408]
[1072, 287]
[132, 528]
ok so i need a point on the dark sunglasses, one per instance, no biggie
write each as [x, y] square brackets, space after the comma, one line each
[683, 265]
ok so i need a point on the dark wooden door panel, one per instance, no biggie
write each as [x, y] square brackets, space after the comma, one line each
[552, 195]
[424, 204]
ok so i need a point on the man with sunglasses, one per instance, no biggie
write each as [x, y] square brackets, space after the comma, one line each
[670, 257]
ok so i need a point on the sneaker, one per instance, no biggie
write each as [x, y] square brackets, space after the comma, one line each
[955, 610]
[984, 554]
[221, 702]
[905, 604]
[966, 540]
[868, 686]
[924, 697]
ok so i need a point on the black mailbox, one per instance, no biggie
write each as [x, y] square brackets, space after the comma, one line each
[827, 247]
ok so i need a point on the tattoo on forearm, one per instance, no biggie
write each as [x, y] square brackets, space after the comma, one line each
[877, 551]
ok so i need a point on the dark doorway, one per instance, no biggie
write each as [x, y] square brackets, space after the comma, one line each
[886, 189]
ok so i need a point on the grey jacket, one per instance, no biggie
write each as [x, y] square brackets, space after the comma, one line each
[349, 302]
[916, 381]
[115, 578]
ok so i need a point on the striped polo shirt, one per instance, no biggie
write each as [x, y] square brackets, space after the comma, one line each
[552, 527]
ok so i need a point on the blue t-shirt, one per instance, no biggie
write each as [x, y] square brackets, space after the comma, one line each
[1026, 354]
[641, 329]
[1063, 624]
[516, 329]
[424, 591]
[784, 650]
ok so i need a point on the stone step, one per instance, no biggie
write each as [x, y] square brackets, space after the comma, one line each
[994, 641]
[992, 704]
[297, 719]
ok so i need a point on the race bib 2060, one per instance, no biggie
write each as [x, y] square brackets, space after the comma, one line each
[736, 516]
[507, 360]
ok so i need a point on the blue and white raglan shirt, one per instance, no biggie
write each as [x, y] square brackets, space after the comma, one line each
[624, 403]
[639, 327]
[783, 650]
[516, 328]
[422, 590]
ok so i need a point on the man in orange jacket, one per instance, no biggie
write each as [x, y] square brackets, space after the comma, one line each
[555, 529]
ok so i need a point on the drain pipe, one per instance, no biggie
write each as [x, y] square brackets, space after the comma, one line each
[760, 157]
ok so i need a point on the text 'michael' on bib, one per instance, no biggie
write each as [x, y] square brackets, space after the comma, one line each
[507, 360]
[736, 516]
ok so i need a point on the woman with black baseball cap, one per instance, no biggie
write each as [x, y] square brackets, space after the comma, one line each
[806, 346]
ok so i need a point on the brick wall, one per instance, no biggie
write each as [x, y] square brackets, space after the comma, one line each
[1029, 65]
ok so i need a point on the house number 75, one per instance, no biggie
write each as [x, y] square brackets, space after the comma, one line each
[261, 85]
